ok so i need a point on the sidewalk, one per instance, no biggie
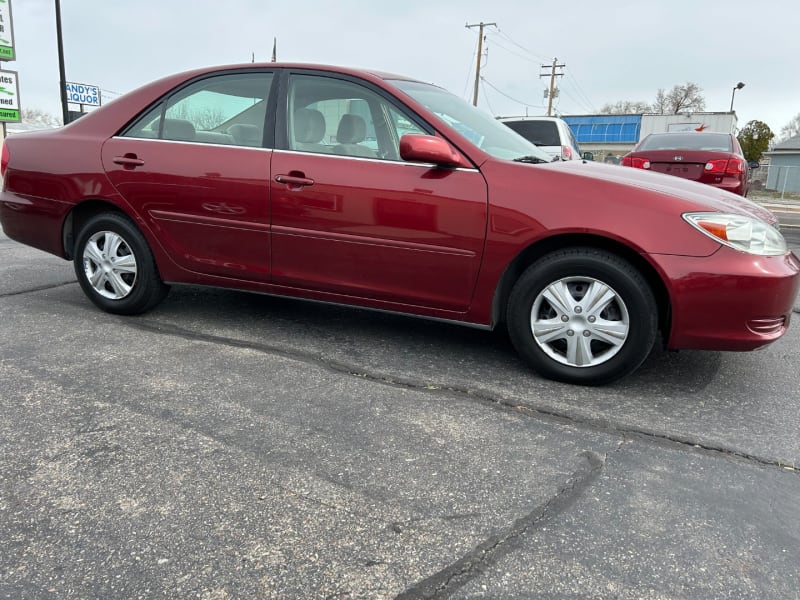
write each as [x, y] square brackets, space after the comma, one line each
[773, 200]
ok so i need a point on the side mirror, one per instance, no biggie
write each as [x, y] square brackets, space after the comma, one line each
[588, 156]
[428, 149]
[754, 164]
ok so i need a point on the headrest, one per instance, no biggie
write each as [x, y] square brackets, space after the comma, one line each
[248, 135]
[352, 129]
[178, 129]
[309, 126]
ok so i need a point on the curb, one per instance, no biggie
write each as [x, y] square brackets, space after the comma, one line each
[790, 208]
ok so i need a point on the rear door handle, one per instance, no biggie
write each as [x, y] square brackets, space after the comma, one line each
[129, 160]
[294, 181]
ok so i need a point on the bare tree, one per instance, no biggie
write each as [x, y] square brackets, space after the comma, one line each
[683, 98]
[626, 107]
[660, 104]
[208, 118]
[204, 119]
[680, 99]
[791, 129]
[37, 116]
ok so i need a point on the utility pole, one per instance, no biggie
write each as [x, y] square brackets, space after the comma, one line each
[481, 25]
[552, 76]
[61, 70]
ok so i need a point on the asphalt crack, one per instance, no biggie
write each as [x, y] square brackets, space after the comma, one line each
[476, 394]
[447, 581]
[40, 288]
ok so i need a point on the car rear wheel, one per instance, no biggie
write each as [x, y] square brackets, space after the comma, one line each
[115, 267]
[582, 315]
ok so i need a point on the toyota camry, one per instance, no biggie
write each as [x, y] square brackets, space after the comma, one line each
[383, 192]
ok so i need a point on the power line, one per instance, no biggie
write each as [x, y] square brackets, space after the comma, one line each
[589, 104]
[466, 83]
[508, 37]
[517, 54]
[486, 97]
[576, 101]
[502, 93]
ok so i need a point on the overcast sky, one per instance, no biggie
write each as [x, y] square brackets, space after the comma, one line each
[613, 50]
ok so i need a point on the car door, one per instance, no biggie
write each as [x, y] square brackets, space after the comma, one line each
[349, 217]
[195, 168]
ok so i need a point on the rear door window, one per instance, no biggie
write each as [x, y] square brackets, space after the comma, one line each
[226, 109]
[541, 133]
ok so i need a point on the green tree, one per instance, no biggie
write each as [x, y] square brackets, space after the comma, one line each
[754, 138]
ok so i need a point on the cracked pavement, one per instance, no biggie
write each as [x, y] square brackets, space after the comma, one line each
[229, 445]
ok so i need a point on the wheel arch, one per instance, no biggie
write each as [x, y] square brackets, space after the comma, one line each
[79, 215]
[535, 251]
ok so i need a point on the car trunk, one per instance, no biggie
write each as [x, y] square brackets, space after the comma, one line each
[688, 164]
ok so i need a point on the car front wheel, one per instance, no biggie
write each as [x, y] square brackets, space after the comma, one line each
[582, 315]
[115, 267]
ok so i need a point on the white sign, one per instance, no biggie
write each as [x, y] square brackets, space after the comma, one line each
[6, 32]
[80, 93]
[9, 97]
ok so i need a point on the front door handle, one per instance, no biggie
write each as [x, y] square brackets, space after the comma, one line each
[294, 181]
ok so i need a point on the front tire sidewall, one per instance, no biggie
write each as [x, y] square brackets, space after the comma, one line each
[630, 287]
[147, 289]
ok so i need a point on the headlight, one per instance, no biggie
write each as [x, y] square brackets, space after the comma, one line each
[747, 234]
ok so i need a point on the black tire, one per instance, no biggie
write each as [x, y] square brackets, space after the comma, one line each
[595, 316]
[115, 266]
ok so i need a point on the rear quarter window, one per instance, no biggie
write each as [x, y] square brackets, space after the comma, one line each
[541, 133]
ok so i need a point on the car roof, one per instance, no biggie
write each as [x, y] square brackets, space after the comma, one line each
[689, 132]
[307, 66]
[543, 118]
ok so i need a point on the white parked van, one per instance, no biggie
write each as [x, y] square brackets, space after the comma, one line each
[551, 134]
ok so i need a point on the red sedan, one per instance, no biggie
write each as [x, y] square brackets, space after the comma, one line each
[712, 158]
[383, 192]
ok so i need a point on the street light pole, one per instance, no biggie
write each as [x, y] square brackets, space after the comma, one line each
[738, 86]
[61, 71]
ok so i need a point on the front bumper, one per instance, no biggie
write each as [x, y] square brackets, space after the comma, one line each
[729, 300]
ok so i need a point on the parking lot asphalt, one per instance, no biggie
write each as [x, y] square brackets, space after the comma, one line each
[229, 445]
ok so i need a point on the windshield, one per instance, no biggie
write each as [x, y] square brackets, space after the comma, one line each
[481, 129]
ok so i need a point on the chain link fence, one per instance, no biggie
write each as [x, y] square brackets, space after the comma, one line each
[779, 181]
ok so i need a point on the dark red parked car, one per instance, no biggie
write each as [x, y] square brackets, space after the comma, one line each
[383, 192]
[713, 158]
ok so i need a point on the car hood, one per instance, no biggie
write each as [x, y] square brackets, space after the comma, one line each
[706, 197]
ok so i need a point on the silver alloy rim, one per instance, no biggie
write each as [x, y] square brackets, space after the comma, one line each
[579, 321]
[110, 265]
